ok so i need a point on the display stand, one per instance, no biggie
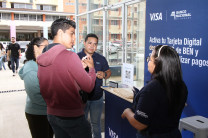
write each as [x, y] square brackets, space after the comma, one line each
[115, 103]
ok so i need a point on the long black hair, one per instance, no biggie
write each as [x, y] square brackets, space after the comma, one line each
[30, 55]
[168, 72]
[1, 46]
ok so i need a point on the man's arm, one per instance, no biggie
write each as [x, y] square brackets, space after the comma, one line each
[19, 53]
[103, 74]
[107, 74]
[8, 54]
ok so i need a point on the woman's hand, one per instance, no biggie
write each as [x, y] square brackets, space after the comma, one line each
[129, 115]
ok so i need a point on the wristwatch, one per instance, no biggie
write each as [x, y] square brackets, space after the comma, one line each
[105, 74]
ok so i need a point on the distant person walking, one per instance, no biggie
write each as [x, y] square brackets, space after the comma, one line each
[8, 57]
[15, 53]
[61, 76]
[2, 56]
[35, 110]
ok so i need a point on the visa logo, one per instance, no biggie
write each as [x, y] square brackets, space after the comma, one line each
[156, 16]
[112, 134]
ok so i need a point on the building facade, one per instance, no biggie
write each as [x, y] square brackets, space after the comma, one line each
[31, 18]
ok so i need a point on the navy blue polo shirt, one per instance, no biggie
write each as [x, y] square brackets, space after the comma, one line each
[100, 64]
[152, 108]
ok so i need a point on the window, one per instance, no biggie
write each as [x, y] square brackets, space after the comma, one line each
[52, 18]
[46, 7]
[96, 21]
[49, 18]
[94, 6]
[83, 4]
[64, 17]
[114, 10]
[82, 31]
[39, 17]
[2, 4]
[6, 16]
[21, 5]
[28, 6]
[68, 3]
[55, 17]
[16, 16]
[83, 19]
[53, 8]
[114, 22]
[12, 5]
[114, 36]
[136, 41]
[39, 7]
[24, 17]
[32, 17]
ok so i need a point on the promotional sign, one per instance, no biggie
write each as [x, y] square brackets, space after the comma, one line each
[182, 25]
[128, 74]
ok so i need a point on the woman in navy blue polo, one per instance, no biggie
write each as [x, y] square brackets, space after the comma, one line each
[159, 104]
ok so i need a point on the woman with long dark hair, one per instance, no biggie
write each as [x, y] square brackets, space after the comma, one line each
[159, 104]
[35, 110]
[2, 56]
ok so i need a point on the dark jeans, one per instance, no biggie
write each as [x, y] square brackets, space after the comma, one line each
[95, 108]
[172, 134]
[68, 127]
[9, 65]
[39, 126]
[14, 60]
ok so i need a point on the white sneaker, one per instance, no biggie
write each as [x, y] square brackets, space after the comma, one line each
[14, 74]
[16, 71]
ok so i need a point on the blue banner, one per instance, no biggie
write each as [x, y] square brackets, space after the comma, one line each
[183, 25]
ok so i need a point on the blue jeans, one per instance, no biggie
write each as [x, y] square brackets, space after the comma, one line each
[77, 127]
[172, 134]
[14, 60]
[95, 108]
[2, 62]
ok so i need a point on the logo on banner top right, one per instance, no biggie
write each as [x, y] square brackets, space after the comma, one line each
[181, 15]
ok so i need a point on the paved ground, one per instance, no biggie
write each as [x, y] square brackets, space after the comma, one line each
[12, 118]
[13, 123]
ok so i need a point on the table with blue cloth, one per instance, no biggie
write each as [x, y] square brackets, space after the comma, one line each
[116, 100]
